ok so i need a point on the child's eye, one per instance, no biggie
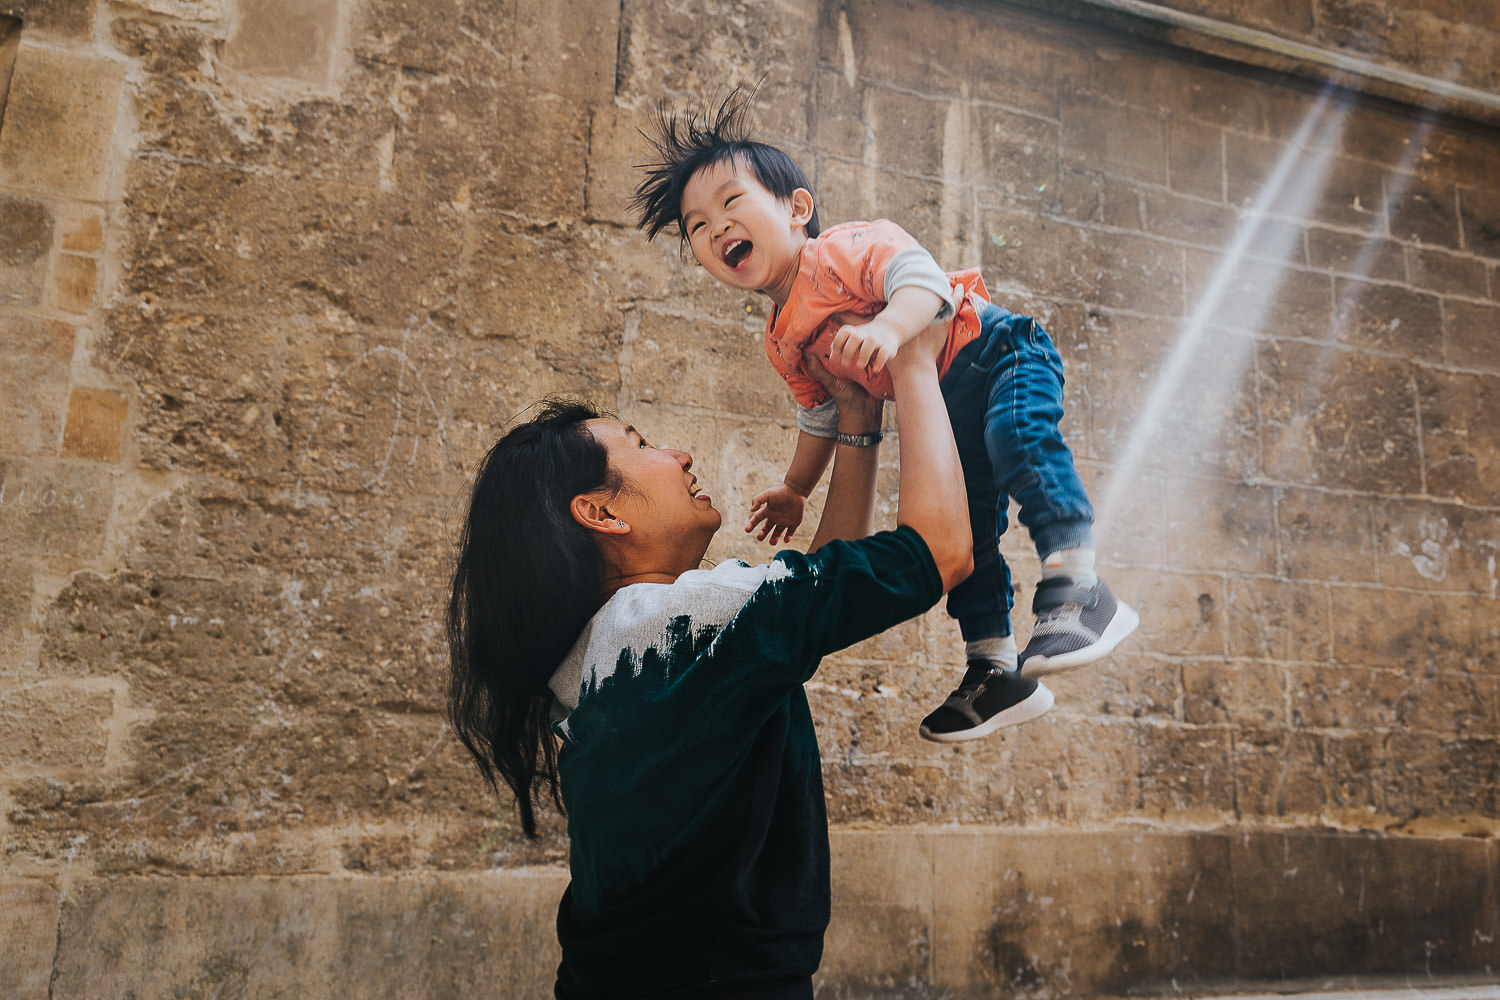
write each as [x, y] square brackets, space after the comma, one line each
[730, 200]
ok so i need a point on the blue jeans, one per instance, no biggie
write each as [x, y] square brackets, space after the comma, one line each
[1004, 395]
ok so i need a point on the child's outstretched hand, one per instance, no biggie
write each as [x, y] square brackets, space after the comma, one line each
[777, 511]
[868, 347]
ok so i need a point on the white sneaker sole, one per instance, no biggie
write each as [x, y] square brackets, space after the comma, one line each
[1121, 625]
[1036, 704]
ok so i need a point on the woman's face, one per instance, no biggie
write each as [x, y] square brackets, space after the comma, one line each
[661, 503]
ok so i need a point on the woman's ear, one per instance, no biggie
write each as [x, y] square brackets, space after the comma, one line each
[590, 511]
[802, 207]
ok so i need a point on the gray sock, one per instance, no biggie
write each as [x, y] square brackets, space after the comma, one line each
[1000, 651]
[1075, 564]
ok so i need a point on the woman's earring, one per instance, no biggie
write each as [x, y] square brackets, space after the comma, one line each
[620, 523]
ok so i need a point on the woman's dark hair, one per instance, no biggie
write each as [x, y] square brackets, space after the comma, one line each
[686, 144]
[528, 579]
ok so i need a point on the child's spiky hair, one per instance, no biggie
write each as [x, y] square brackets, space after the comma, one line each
[687, 143]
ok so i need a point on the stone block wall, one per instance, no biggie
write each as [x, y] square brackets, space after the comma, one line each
[1457, 41]
[273, 275]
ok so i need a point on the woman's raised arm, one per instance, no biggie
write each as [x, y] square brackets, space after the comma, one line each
[932, 499]
[849, 509]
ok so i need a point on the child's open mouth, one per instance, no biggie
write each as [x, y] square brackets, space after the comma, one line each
[736, 252]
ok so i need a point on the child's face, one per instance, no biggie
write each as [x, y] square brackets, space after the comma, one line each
[740, 232]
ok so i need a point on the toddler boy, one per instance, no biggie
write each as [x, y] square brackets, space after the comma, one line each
[747, 212]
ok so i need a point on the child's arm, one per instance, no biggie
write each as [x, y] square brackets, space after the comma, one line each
[778, 510]
[908, 311]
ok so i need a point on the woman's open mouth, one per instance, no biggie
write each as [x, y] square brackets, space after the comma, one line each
[735, 252]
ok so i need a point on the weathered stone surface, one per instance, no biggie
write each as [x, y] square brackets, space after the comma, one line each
[57, 727]
[16, 584]
[539, 292]
[64, 18]
[1229, 528]
[1024, 920]
[26, 228]
[1325, 536]
[1338, 419]
[1014, 156]
[59, 122]
[96, 425]
[1182, 614]
[1235, 694]
[1009, 63]
[1481, 221]
[940, 216]
[74, 280]
[1437, 546]
[1126, 685]
[1373, 627]
[54, 511]
[664, 51]
[1470, 333]
[1441, 921]
[565, 49]
[182, 110]
[1318, 185]
[1472, 764]
[1263, 296]
[28, 922]
[213, 393]
[1077, 263]
[1346, 698]
[284, 38]
[372, 256]
[1163, 394]
[185, 10]
[1388, 319]
[1093, 196]
[1448, 273]
[1270, 778]
[1365, 256]
[1091, 140]
[1195, 159]
[83, 231]
[1277, 621]
[35, 385]
[1460, 438]
[363, 935]
[1209, 225]
[1424, 211]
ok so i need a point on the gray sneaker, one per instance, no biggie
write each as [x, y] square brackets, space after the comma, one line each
[1076, 624]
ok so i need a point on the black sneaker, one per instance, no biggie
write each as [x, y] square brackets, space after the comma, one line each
[1075, 625]
[989, 698]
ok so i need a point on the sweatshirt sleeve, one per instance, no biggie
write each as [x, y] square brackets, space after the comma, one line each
[815, 604]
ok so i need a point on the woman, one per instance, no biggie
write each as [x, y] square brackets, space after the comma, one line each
[590, 653]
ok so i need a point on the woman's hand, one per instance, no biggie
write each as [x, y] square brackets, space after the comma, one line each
[859, 412]
[925, 346]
